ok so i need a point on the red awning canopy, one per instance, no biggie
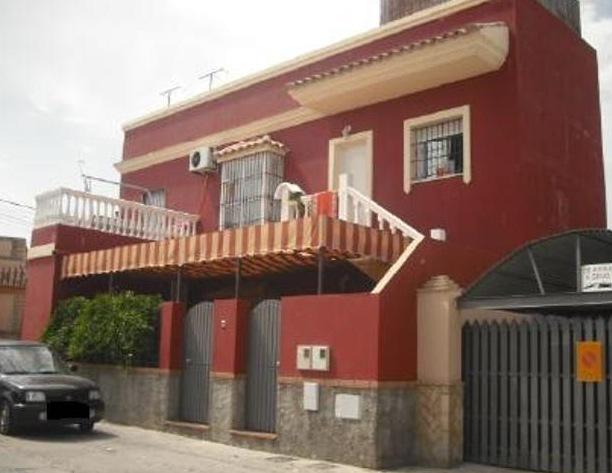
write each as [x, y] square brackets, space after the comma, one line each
[269, 248]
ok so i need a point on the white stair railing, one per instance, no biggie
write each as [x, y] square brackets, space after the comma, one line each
[117, 216]
[357, 208]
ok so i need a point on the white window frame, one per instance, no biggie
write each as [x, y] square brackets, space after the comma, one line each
[336, 144]
[442, 116]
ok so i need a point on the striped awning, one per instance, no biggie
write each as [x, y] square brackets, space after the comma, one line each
[268, 248]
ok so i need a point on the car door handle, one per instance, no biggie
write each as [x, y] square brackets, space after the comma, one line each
[188, 360]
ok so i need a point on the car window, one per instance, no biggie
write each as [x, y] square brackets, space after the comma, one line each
[27, 360]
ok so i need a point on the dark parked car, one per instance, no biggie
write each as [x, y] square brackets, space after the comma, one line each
[36, 389]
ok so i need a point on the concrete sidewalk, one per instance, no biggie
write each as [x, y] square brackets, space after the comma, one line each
[120, 449]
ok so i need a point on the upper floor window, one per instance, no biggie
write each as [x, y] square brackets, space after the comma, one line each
[247, 190]
[437, 146]
[156, 198]
[250, 173]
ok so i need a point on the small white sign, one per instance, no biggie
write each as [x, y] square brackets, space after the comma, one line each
[348, 406]
[597, 277]
[311, 397]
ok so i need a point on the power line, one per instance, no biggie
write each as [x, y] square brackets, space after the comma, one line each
[17, 204]
[17, 218]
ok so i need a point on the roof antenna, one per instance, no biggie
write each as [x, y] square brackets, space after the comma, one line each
[86, 181]
[168, 93]
[211, 77]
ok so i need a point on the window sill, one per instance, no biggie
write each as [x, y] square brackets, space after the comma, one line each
[437, 178]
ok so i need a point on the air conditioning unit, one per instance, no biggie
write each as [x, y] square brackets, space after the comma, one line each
[202, 160]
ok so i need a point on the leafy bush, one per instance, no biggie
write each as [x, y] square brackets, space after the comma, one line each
[110, 328]
[59, 332]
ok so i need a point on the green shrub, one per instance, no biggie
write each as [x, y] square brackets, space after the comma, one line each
[111, 328]
[59, 331]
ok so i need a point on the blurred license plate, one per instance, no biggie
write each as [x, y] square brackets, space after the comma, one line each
[67, 410]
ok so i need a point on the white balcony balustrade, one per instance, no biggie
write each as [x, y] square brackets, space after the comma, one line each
[353, 207]
[116, 216]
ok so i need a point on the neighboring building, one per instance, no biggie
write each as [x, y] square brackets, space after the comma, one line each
[12, 285]
[433, 145]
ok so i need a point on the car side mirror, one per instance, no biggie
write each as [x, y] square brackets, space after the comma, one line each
[73, 367]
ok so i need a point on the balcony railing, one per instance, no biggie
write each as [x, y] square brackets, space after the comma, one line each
[117, 216]
[347, 204]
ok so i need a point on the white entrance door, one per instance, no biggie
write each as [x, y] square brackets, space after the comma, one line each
[353, 156]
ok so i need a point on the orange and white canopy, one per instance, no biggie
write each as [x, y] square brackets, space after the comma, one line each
[269, 248]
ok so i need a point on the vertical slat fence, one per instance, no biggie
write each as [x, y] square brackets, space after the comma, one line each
[524, 407]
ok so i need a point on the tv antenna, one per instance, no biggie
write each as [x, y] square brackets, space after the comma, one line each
[211, 77]
[87, 179]
[168, 94]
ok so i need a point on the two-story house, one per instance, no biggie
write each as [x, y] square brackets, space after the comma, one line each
[290, 218]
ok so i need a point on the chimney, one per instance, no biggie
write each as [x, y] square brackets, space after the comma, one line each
[567, 10]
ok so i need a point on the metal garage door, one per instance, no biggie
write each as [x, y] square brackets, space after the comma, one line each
[525, 408]
[262, 366]
[195, 387]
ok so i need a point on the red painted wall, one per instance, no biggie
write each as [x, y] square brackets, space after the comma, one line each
[230, 330]
[172, 316]
[75, 240]
[40, 296]
[349, 324]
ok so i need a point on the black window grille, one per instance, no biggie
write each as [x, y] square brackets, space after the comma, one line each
[247, 190]
[437, 150]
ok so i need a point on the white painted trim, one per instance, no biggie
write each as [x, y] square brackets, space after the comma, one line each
[337, 143]
[380, 286]
[421, 17]
[479, 50]
[463, 112]
[281, 121]
[41, 251]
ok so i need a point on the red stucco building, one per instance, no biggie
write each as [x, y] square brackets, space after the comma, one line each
[433, 145]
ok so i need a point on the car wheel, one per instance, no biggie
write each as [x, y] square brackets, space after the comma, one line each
[6, 419]
[86, 427]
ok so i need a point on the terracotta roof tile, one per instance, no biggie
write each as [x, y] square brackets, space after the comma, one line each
[242, 146]
[391, 53]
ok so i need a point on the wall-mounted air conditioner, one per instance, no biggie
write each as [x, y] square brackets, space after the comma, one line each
[202, 161]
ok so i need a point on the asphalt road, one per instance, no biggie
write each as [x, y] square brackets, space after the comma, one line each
[119, 449]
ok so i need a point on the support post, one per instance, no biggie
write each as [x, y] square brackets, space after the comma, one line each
[439, 441]
[578, 264]
[343, 183]
[111, 278]
[238, 278]
[179, 280]
[320, 271]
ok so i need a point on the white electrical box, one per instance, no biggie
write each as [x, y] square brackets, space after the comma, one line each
[311, 397]
[348, 406]
[320, 358]
[304, 357]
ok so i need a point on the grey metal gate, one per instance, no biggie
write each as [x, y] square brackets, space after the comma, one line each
[524, 407]
[262, 367]
[195, 383]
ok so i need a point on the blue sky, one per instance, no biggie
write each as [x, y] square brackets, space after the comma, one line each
[72, 71]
